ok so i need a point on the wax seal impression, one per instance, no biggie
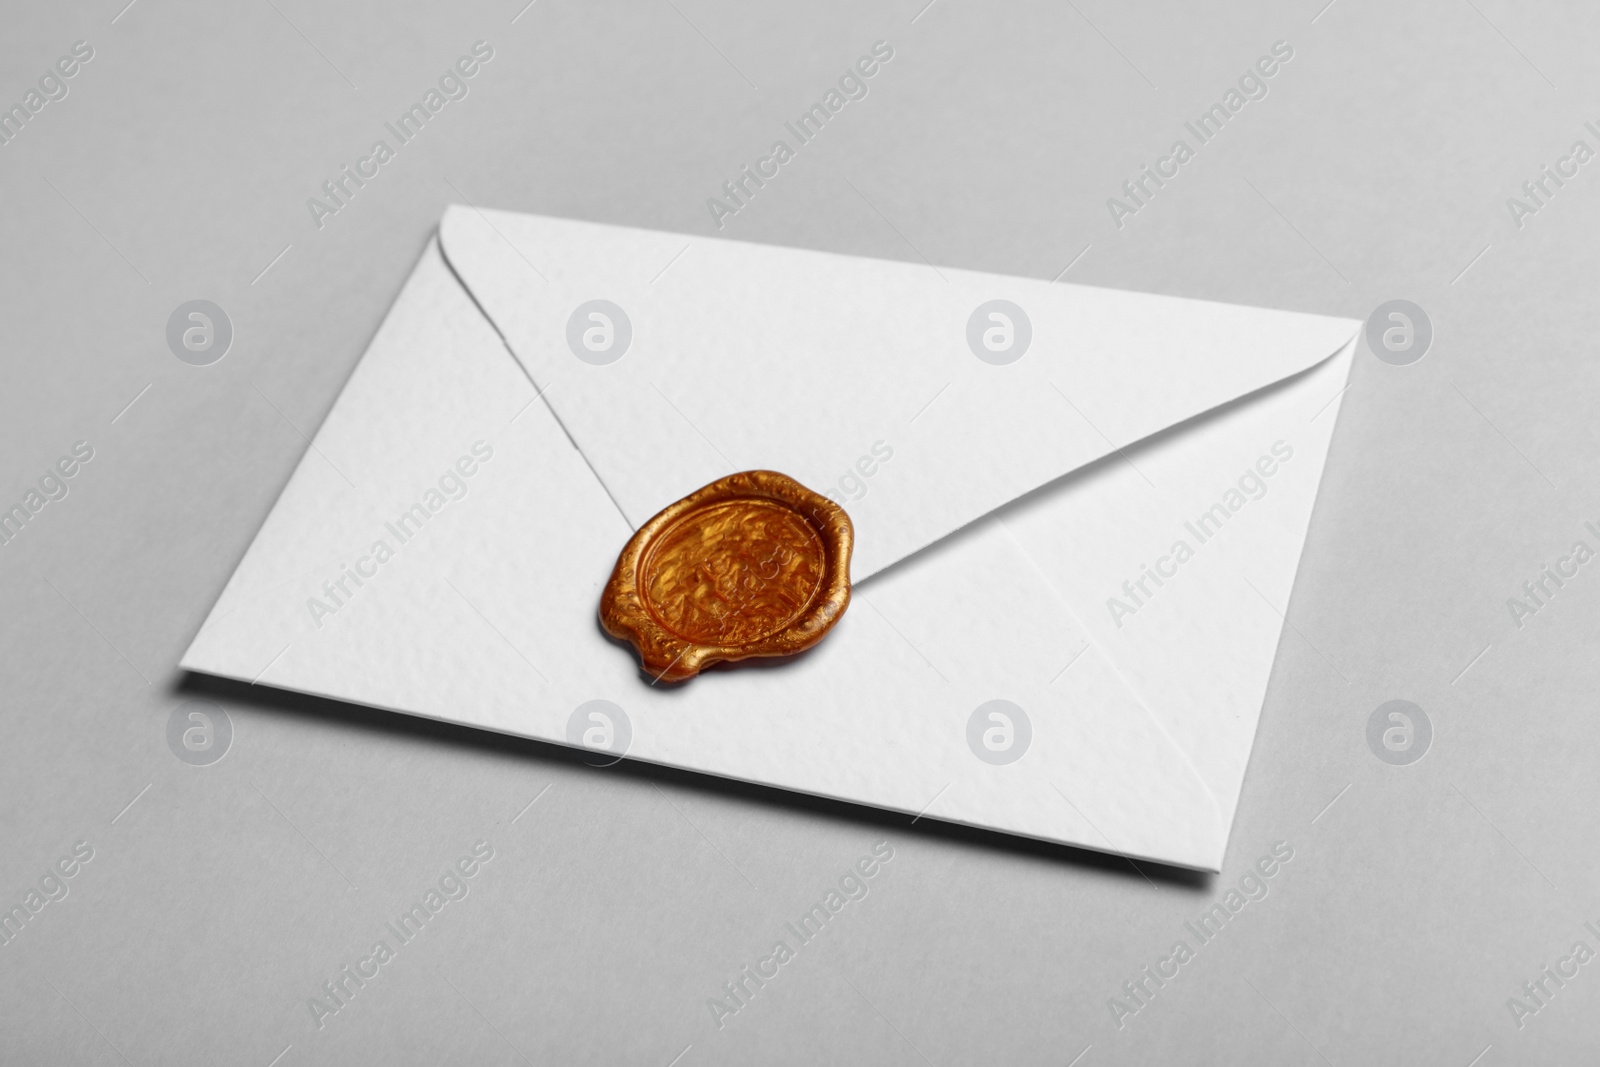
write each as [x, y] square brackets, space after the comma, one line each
[754, 564]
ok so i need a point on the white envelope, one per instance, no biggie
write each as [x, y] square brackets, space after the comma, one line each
[1102, 533]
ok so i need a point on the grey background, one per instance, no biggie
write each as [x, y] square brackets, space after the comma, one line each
[1377, 168]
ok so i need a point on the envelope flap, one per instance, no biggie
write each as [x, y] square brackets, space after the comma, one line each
[919, 397]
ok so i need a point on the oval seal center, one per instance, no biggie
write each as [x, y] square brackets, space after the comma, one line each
[733, 572]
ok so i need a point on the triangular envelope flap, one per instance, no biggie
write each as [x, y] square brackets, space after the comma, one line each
[881, 383]
[1180, 556]
[484, 615]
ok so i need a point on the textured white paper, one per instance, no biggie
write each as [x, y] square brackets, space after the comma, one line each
[748, 356]
[486, 614]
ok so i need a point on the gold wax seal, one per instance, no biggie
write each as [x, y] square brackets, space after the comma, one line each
[754, 564]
